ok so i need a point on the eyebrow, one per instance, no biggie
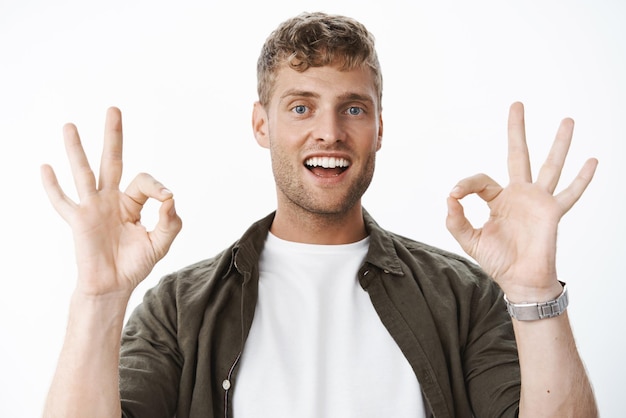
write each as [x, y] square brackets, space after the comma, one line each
[349, 96]
[357, 97]
[298, 93]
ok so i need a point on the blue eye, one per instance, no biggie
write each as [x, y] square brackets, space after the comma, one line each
[300, 109]
[354, 111]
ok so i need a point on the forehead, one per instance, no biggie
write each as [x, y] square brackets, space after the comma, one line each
[324, 82]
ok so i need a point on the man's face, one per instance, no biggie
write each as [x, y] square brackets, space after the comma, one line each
[323, 128]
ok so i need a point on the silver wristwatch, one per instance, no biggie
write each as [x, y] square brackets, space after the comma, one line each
[533, 311]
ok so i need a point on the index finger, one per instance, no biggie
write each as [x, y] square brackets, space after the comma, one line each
[84, 179]
[111, 160]
[518, 158]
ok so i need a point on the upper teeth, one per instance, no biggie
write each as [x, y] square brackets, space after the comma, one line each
[327, 162]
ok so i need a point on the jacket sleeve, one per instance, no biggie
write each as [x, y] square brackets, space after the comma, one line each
[150, 361]
[489, 354]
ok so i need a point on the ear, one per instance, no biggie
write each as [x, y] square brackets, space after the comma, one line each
[260, 125]
[379, 143]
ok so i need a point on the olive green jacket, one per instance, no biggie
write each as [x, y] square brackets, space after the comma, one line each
[181, 346]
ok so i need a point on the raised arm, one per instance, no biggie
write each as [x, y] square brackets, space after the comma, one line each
[114, 253]
[517, 247]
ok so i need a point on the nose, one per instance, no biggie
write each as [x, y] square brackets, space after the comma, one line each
[329, 127]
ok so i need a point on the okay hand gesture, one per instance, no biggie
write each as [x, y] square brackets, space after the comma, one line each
[517, 244]
[114, 251]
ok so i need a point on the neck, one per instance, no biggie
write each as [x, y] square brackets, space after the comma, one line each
[315, 228]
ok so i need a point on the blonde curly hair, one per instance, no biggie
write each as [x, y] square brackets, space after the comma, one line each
[315, 40]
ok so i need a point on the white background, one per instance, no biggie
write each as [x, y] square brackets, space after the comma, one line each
[184, 76]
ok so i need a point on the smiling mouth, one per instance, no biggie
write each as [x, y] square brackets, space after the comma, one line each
[327, 166]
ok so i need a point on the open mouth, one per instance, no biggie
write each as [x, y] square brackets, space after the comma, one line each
[327, 166]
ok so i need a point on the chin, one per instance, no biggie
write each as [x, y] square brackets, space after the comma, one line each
[338, 209]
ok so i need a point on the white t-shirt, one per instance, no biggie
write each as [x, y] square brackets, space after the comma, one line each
[317, 347]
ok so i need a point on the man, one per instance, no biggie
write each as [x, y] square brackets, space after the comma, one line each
[316, 310]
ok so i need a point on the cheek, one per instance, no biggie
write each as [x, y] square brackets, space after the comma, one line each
[282, 148]
[375, 140]
[287, 138]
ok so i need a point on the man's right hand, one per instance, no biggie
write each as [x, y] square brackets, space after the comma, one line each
[114, 251]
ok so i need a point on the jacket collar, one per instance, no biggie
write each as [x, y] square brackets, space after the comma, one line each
[381, 254]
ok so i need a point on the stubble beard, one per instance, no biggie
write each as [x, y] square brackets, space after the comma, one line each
[317, 203]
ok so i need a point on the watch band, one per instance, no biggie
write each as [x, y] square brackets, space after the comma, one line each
[528, 311]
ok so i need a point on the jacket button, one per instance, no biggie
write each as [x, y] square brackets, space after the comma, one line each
[226, 384]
